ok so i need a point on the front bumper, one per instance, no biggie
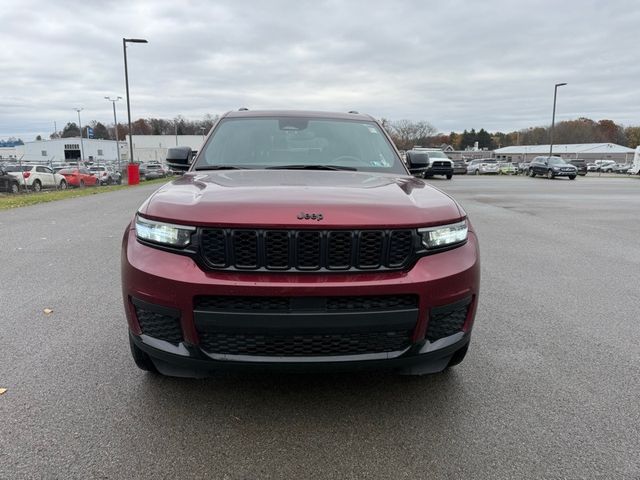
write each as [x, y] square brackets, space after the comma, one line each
[170, 283]
[439, 171]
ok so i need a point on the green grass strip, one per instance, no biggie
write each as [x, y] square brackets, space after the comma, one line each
[24, 199]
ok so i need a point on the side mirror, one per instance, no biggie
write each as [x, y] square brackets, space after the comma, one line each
[179, 158]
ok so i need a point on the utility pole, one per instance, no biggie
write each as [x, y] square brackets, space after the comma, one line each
[553, 117]
[115, 128]
[81, 144]
[126, 81]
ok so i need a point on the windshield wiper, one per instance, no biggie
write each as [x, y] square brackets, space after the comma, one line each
[311, 167]
[219, 167]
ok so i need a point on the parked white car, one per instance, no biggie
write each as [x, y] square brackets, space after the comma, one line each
[37, 177]
[482, 166]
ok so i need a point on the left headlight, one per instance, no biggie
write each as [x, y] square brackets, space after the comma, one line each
[163, 233]
[444, 235]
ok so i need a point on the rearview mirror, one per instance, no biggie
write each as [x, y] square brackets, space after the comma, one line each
[179, 158]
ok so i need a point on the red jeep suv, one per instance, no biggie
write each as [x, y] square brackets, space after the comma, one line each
[298, 240]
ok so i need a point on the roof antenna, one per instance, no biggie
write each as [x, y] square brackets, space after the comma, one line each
[243, 109]
[353, 111]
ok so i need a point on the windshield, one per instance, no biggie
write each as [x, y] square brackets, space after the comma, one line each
[437, 154]
[556, 161]
[15, 168]
[297, 141]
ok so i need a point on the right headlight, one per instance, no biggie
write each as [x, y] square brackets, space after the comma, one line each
[444, 235]
[163, 233]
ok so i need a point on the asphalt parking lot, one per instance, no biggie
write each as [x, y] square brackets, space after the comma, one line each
[550, 388]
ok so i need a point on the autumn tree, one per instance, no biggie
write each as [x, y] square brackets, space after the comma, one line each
[70, 130]
[632, 135]
[406, 133]
[100, 131]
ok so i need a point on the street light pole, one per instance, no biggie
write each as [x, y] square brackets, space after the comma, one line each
[115, 127]
[126, 80]
[553, 117]
[81, 144]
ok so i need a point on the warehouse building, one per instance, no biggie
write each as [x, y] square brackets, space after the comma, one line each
[585, 151]
[69, 149]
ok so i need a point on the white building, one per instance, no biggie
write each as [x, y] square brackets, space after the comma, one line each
[67, 149]
[585, 151]
[148, 148]
[8, 153]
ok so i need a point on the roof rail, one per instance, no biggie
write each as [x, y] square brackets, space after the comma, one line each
[243, 109]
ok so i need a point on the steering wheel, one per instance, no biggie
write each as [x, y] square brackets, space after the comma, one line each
[346, 159]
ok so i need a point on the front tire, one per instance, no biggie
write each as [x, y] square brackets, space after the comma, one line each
[449, 176]
[531, 173]
[15, 188]
[37, 186]
[572, 177]
[550, 175]
[81, 184]
[477, 172]
[63, 185]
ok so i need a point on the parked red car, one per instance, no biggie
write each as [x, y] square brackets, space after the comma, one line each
[79, 177]
[298, 240]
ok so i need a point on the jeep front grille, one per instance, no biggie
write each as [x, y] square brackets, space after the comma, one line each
[306, 250]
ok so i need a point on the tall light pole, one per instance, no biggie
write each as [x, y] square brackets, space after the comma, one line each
[115, 127]
[81, 144]
[126, 81]
[553, 117]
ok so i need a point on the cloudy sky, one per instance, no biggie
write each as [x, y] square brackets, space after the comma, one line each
[456, 64]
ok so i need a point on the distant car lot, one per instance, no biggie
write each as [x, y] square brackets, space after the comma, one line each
[34, 177]
[553, 362]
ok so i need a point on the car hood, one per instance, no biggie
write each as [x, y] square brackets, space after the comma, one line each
[277, 198]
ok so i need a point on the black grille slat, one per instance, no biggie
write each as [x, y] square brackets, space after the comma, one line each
[290, 304]
[400, 247]
[277, 250]
[239, 303]
[370, 249]
[373, 302]
[160, 326]
[339, 250]
[306, 250]
[305, 345]
[245, 248]
[214, 244]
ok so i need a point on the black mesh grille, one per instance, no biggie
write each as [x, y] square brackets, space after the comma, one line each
[377, 302]
[305, 345]
[400, 247]
[276, 250]
[242, 303]
[306, 249]
[245, 248]
[157, 325]
[444, 322]
[214, 243]
[339, 249]
[291, 304]
[370, 249]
